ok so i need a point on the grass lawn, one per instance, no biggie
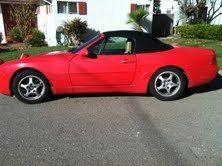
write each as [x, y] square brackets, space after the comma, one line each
[216, 45]
[13, 54]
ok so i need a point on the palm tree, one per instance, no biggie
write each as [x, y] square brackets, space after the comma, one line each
[136, 18]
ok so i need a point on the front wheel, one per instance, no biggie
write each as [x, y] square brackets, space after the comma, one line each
[30, 87]
[168, 84]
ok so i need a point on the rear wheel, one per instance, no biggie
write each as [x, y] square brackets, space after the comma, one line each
[30, 87]
[168, 84]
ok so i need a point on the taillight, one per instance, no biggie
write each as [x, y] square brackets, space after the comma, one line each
[214, 60]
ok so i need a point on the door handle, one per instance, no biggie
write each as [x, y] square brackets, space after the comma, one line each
[127, 61]
[132, 61]
[124, 61]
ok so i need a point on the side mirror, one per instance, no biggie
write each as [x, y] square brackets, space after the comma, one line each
[85, 53]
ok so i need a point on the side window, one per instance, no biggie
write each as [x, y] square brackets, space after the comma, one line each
[112, 46]
[96, 48]
[117, 45]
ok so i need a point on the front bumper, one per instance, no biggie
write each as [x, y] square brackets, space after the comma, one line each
[5, 84]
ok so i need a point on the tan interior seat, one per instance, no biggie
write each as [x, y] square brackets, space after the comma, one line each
[128, 49]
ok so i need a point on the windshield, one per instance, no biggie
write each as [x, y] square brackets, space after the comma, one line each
[76, 49]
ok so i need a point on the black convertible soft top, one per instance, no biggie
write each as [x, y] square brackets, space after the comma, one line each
[144, 42]
[127, 33]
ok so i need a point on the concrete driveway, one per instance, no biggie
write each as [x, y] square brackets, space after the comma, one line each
[114, 130]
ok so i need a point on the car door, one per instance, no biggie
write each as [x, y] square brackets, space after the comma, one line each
[109, 63]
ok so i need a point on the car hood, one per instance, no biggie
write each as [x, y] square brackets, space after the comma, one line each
[27, 58]
[54, 53]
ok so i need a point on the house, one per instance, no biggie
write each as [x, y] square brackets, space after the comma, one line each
[101, 15]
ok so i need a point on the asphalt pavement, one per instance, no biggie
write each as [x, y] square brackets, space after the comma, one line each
[114, 130]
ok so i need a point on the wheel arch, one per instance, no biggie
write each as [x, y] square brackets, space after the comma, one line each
[21, 70]
[169, 66]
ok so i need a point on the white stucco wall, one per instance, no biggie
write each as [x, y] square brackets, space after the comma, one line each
[102, 15]
[174, 8]
[2, 29]
[46, 24]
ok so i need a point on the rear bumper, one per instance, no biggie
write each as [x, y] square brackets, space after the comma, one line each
[203, 76]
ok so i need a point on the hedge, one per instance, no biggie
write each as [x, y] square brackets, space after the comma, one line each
[201, 31]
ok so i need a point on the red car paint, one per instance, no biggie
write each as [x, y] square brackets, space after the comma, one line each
[70, 72]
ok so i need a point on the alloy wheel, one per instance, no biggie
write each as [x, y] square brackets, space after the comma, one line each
[167, 83]
[31, 87]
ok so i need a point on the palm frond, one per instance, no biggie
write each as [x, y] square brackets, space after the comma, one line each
[137, 17]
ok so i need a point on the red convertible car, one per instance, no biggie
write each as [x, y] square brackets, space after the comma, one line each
[112, 62]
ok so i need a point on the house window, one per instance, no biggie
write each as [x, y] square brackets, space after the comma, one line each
[67, 7]
[72, 7]
[62, 7]
[144, 7]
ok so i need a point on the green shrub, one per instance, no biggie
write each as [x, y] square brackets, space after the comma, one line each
[37, 39]
[201, 31]
[16, 34]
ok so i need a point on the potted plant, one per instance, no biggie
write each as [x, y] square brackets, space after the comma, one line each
[75, 29]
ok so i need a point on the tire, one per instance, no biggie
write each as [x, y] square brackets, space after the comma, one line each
[30, 87]
[168, 84]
